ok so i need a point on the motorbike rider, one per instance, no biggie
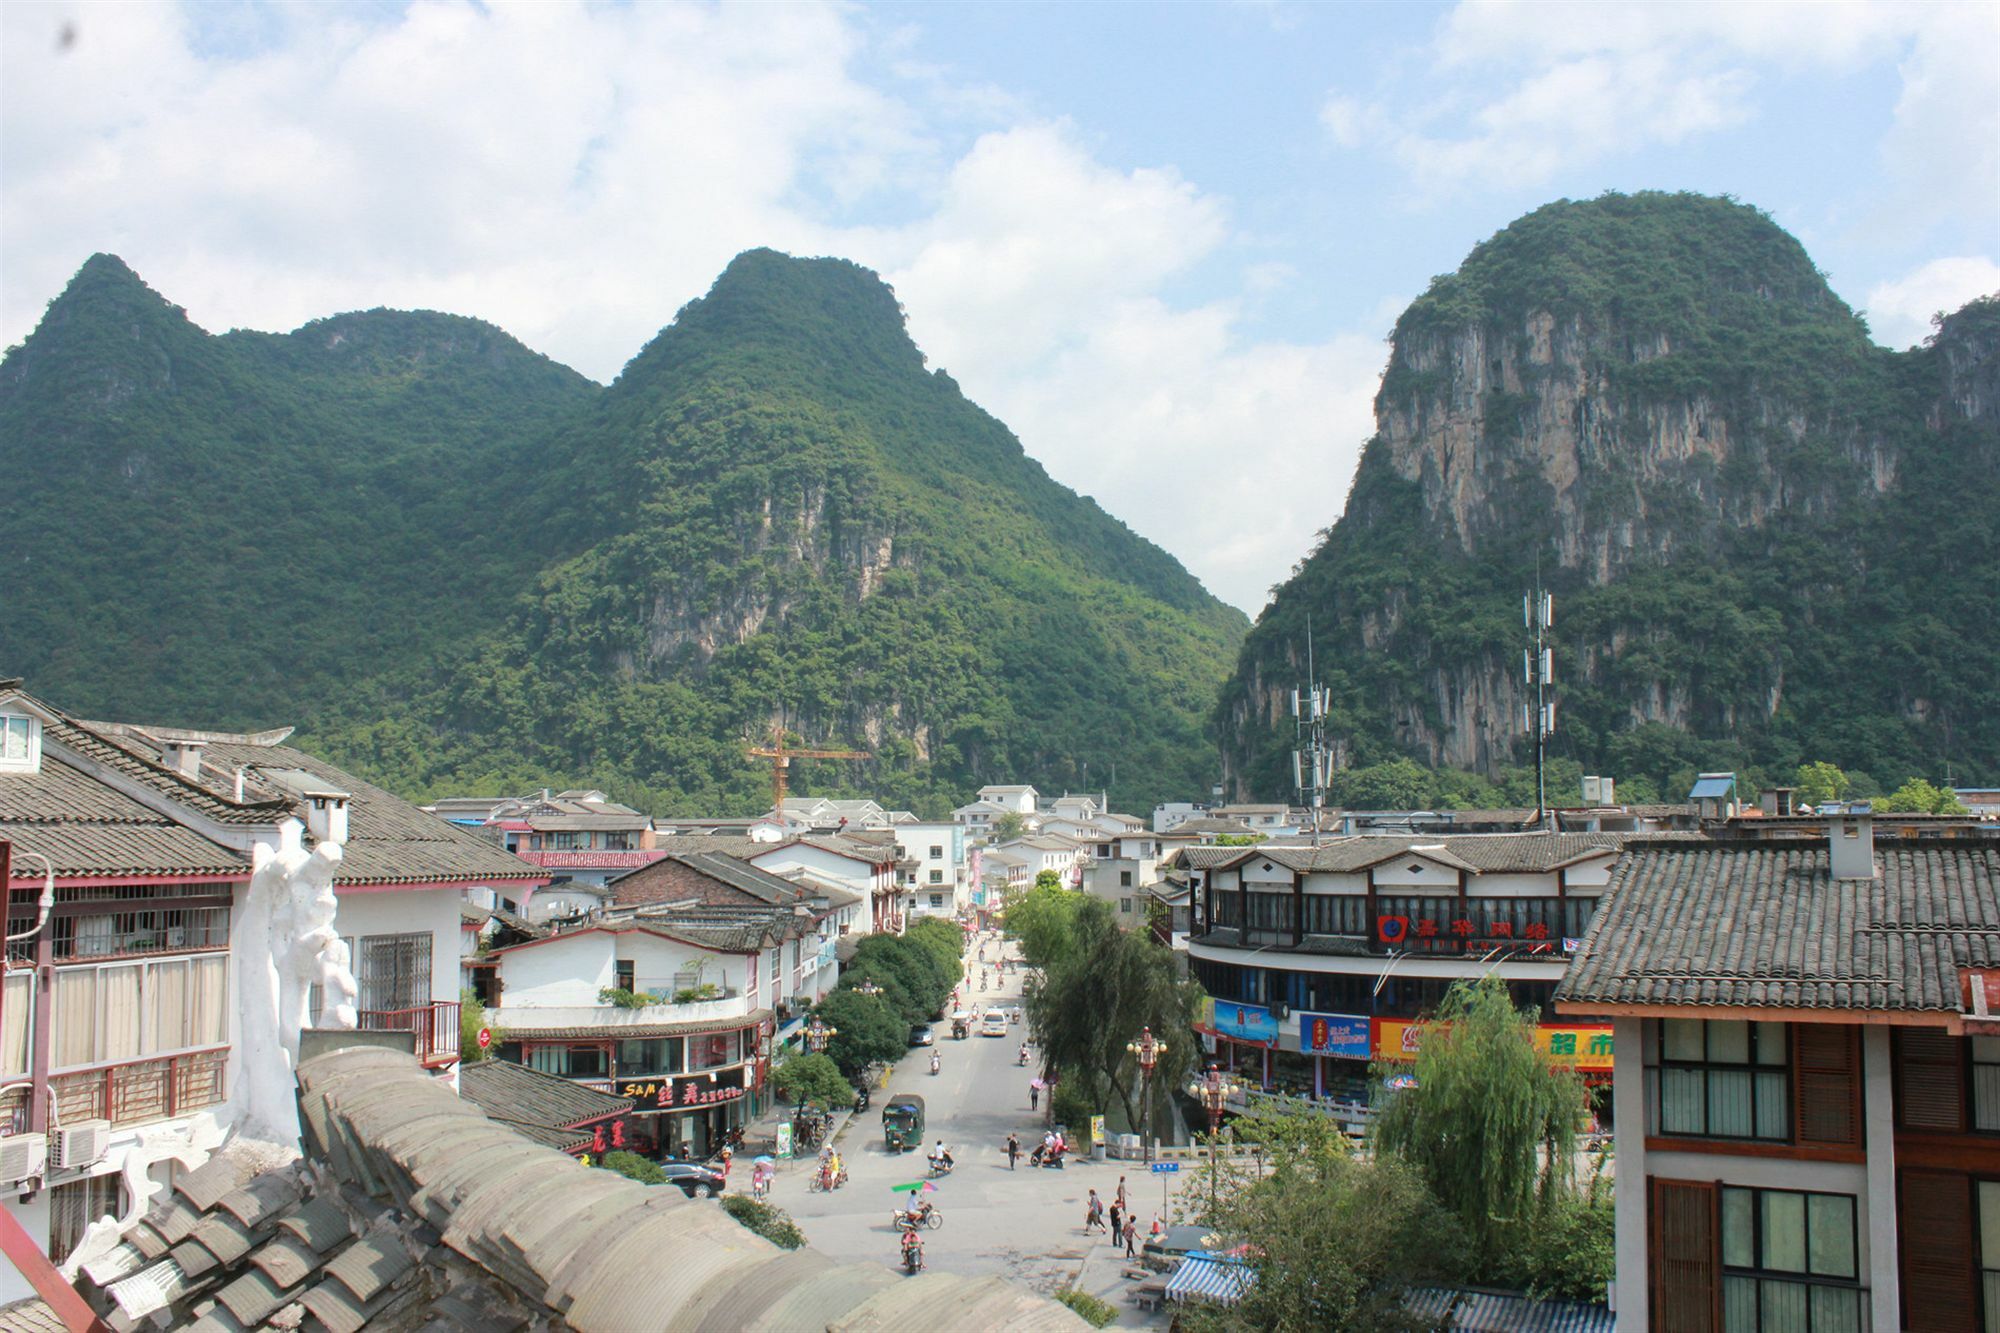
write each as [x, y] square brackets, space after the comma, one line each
[1024, 1054]
[936, 1062]
[941, 1156]
[913, 1252]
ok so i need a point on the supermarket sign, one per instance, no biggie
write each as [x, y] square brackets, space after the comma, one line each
[1582, 1048]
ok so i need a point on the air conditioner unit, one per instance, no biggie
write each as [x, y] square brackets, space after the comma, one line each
[22, 1157]
[81, 1144]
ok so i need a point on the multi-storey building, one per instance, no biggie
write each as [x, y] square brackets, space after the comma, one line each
[1322, 959]
[1807, 1078]
[121, 1017]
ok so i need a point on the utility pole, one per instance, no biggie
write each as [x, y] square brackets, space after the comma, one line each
[1538, 615]
[1312, 764]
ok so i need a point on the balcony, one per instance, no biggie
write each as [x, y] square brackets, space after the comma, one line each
[141, 1090]
[434, 1025]
[525, 1019]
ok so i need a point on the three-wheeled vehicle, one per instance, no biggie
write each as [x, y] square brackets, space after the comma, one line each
[961, 1028]
[903, 1122]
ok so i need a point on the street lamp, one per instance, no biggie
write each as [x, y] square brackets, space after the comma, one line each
[868, 987]
[1148, 1049]
[818, 1034]
[1214, 1090]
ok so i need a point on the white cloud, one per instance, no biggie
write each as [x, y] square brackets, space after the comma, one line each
[1899, 312]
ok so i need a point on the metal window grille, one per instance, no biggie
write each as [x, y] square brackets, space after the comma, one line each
[395, 971]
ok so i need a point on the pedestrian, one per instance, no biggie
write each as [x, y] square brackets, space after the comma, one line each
[1131, 1234]
[1120, 1200]
[1095, 1216]
[1013, 1150]
[1034, 1097]
[1117, 1229]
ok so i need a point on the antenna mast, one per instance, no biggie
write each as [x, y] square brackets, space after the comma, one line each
[1538, 615]
[1312, 761]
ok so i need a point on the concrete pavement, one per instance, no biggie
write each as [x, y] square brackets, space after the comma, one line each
[1025, 1224]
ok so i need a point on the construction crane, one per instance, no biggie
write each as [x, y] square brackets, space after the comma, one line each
[781, 756]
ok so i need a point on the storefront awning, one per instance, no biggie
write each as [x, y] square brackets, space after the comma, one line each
[1222, 1281]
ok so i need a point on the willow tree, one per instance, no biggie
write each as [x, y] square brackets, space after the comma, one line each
[1491, 1124]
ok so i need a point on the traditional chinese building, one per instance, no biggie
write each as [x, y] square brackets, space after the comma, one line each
[1323, 959]
[1807, 1078]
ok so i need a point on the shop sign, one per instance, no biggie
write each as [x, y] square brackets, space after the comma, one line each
[1585, 1048]
[1334, 1034]
[1395, 931]
[1246, 1022]
[690, 1092]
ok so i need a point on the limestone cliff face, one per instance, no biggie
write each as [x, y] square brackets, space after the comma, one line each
[1655, 406]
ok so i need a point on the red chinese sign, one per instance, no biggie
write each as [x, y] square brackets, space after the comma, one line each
[1397, 930]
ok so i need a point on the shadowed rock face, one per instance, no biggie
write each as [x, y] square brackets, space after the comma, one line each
[1655, 405]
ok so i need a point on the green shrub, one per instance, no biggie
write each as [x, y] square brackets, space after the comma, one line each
[634, 1167]
[1096, 1312]
[772, 1223]
[620, 998]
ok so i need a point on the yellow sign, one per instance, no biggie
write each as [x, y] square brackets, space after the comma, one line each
[1097, 1130]
[1586, 1048]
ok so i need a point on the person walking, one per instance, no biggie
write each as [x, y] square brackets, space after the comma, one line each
[1117, 1219]
[1120, 1202]
[1013, 1150]
[1131, 1235]
[1034, 1097]
[1094, 1216]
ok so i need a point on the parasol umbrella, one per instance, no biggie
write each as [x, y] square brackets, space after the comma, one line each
[923, 1186]
[1036, 1083]
[764, 1159]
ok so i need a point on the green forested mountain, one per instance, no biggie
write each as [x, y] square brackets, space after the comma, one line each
[1769, 540]
[459, 566]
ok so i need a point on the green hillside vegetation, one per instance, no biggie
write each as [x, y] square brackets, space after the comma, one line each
[1871, 616]
[460, 567]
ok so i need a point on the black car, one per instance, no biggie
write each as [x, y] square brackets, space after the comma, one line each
[697, 1182]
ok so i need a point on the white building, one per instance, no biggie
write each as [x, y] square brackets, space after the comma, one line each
[155, 961]
[864, 869]
[1021, 800]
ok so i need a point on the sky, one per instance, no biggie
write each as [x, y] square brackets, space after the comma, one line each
[1164, 243]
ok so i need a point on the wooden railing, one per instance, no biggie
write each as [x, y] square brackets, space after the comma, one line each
[435, 1026]
[140, 1090]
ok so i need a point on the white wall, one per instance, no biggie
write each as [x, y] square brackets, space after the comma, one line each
[405, 912]
[564, 971]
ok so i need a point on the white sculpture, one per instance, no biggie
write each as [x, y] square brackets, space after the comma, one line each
[285, 946]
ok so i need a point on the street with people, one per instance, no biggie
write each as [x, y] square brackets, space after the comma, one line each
[992, 1214]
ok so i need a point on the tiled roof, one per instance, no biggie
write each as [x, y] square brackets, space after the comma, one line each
[1764, 924]
[1202, 858]
[595, 860]
[87, 828]
[1478, 853]
[530, 1100]
[867, 853]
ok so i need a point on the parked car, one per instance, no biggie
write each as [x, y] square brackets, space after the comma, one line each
[993, 1025]
[697, 1182]
[921, 1035]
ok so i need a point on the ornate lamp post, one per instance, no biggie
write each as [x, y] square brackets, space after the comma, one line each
[818, 1034]
[1148, 1049]
[868, 987]
[1214, 1090]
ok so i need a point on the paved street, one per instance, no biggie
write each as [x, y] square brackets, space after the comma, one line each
[1025, 1224]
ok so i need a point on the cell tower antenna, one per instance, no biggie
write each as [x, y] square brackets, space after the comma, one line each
[1312, 762]
[1538, 615]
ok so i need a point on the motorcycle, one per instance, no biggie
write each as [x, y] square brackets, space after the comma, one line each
[941, 1166]
[1023, 1060]
[922, 1216]
[935, 1064]
[913, 1254]
[1043, 1157]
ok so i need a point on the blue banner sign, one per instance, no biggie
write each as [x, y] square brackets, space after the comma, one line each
[1246, 1022]
[1164, 1168]
[1334, 1034]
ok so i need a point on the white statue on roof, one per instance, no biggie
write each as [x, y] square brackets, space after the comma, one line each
[285, 946]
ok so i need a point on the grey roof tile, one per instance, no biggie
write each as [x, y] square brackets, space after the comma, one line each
[368, 1267]
[254, 1297]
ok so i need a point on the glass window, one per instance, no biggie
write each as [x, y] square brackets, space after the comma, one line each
[1789, 1262]
[587, 1062]
[14, 738]
[1989, 1248]
[1986, 1083]
[1722, 1079]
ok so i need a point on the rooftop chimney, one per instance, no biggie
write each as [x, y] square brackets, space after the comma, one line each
[183, 757]
[1850, 835]
[326, 816]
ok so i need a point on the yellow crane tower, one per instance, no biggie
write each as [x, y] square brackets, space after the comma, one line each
[781, 756]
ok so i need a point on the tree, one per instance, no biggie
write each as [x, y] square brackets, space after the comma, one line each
[869, 1030]
[471, 1018]
[924, 976]
[634, 1167]
[946, 939]
[1819, 782]
[1486, 1107]
[811, 1078]
[767, 1220]
[1919, 797]
[1043, 922]
[1335, 1243]
[1095, 996]
[1009, 826]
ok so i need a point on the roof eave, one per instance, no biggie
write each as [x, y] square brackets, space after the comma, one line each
[1949, 1019]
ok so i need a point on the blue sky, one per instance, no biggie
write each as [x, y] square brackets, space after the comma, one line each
[1164, 243]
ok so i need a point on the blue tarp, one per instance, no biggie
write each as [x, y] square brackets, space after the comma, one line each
[1202, 1278]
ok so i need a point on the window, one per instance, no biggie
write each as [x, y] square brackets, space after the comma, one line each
[1337, 914]
[1723, 1079]
[937, 853]
[1989, 1249]
[130, 1011]
[1986, 1088]
[1124, 879]
[1789, 1262]
[73, 1207]
[937, 902]
[19, 741]
[1125, 906]
[627, 974]
[937, 876]
[394, 972]
[1268, 911]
